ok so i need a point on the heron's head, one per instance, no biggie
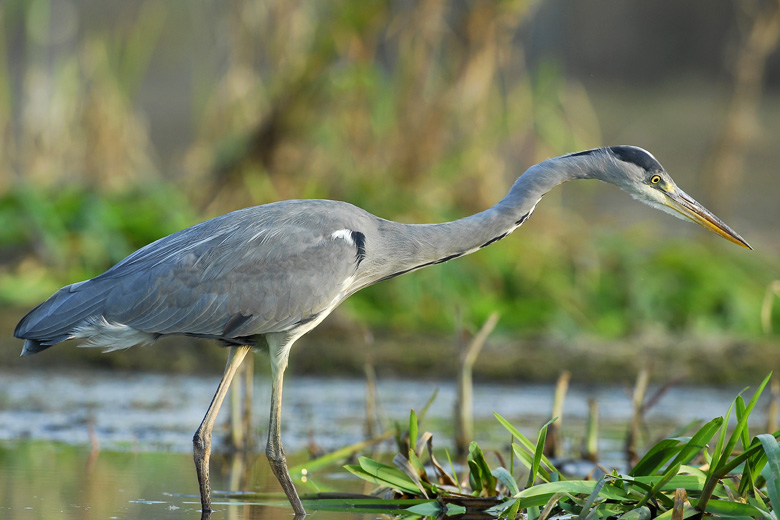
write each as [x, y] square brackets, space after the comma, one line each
[639, 173]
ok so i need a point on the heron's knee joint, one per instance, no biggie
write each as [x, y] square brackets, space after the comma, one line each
[200, 442]
[275, 456]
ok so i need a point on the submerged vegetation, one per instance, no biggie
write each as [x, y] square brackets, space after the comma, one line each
[718, 470]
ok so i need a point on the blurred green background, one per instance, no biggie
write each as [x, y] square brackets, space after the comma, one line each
[121, 122]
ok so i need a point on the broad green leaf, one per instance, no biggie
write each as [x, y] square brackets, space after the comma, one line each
[393, 477]
[475, 479]
[507, 480]
[488, 481]
[502, 509]
[731, 508]
[698, 441]
[400, 483]
[657, 456]
[689, 482]
[772, 451]
[513, 510]
[640, 513]
[572, 487]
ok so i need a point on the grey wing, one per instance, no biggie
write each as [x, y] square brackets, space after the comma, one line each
[238, 290]
[228, 280]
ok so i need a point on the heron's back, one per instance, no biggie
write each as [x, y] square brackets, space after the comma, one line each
[265, 269]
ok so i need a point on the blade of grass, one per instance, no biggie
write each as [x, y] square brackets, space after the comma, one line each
[412, 430]
[526, 443]
[410, 471]
[427, 405]
[741, 412]
[538, 452]
[720, 468]
[454, 473]
[527, 460]
[588, 505]
[742, 421]
[338, 455]
[670, 473]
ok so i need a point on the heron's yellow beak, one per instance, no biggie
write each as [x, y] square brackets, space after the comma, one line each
[681, 202]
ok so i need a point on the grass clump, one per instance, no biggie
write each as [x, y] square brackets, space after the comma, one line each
[717, 471]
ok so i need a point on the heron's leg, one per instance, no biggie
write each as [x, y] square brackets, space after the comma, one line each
[274, 450]
[201, 442]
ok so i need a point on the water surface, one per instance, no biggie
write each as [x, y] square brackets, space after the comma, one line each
[97, 444]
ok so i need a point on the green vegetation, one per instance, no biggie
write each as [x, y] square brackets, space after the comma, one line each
[722, 473]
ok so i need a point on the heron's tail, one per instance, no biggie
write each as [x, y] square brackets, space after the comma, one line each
[33, 346]
[54, 320]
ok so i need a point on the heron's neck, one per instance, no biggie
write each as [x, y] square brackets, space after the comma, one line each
[413, 246]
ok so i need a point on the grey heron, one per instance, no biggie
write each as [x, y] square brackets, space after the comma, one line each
[262, 277]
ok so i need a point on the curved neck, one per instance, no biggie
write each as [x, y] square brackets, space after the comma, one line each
[409, 247]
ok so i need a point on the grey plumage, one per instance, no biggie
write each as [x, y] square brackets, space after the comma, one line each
[250, 272]
[269, 274]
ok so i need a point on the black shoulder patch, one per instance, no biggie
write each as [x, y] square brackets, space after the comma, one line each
[634, 155]
[360, 244]
[234, 323]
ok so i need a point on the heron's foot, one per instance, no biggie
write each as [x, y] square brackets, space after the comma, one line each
[279, 467]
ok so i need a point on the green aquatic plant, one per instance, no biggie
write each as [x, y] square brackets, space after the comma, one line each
[717, 471]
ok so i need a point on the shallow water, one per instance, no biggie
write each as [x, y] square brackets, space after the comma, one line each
[106, 445]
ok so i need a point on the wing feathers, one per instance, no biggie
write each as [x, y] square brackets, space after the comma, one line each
[261, 270]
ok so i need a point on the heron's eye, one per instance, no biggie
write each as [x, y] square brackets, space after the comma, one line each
[655, 179]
